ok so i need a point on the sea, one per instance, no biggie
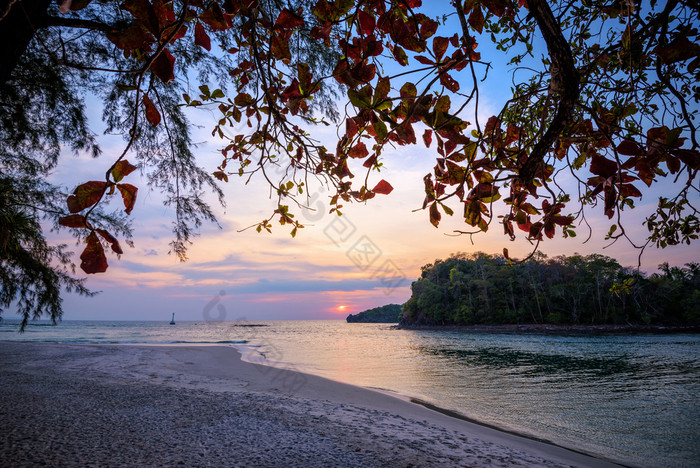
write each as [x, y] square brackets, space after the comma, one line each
[633, 399]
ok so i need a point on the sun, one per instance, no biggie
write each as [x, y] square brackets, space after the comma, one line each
[341, 308]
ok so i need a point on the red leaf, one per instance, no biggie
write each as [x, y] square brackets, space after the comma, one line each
[215, 18]
[497, 7]
[133, 37]
[351, 128]
[144, 12]
[128, 192]
[358, 151]
[305, 80]
[367, 23]
[408, 90]
[435, 215]
[428, 27]
[428, 138]
[383, 188]
[342, 170]
[112, 240]
[440, 46]
[163, 66]
[201, 38]
[72, 221]
[86, 195]
[122, 169]
[629, 190]
[562, 220]
[472, 212]
[448, 82]
[424, 60]
[630, 148]
[673, 163]
[400, 56]
[288, 20]
[610, 199]
[79, 4]
[491, 124]
[152, 114]
[689, 157]
[535, 231]
[405, 134]
[93, 258]
[549, 229]
[364, 74]
[324, 11]
[476, 19]
[279, 47]
[679, 50]
[371, 161]
[602, 166]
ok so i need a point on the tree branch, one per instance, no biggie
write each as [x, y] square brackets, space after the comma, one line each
[564, 80]
[76, 23]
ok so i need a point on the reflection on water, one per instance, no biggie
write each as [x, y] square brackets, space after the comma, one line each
[629, 398]
[535, 365]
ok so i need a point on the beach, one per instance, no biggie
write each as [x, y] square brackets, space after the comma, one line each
[188, 405]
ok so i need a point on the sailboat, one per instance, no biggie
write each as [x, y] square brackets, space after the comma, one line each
[172, 320]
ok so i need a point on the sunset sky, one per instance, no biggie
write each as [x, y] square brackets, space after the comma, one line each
[334, 266]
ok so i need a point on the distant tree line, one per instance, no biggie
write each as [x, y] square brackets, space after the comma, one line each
[470, 289]
[389, 313]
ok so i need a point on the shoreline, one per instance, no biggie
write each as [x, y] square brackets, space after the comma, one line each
[250, 355]
[548, 329]
[264, 415]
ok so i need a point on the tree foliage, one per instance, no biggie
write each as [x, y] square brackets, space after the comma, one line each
[609, 107]
[574, 290]
[389, 313]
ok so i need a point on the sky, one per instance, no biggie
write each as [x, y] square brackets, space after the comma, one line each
[333, 267]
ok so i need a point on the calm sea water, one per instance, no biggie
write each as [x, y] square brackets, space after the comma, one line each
[632, 399]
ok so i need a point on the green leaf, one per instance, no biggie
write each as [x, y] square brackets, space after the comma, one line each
[381, 130]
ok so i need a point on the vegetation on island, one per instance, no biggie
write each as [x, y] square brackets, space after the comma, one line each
[471, 289]
[389, 313]
[600, 110]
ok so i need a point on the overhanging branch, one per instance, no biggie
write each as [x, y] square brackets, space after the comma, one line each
[564, 80]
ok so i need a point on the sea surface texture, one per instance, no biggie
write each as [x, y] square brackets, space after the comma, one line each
[632, 399]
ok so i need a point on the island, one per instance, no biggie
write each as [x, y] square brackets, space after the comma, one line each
[385, 314]
[577, 293]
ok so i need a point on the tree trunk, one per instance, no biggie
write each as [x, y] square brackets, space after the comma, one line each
[19, 20]
[564, 81]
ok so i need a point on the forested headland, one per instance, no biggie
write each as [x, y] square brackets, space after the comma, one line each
[389, 313]
[476, 289]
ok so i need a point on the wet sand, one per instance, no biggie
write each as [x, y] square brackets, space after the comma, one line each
[153, 405]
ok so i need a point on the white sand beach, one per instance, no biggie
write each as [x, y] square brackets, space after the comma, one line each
[157, 405]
